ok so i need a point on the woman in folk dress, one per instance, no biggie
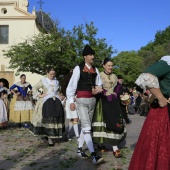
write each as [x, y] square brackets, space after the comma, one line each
[23, 106]
[48, 116]
[108, 126]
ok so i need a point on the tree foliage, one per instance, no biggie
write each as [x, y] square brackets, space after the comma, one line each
[129, 65]
[61, 49]
[153, 51]
[44, 22]
[162, 37]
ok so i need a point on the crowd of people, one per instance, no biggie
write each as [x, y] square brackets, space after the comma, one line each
[99, 102]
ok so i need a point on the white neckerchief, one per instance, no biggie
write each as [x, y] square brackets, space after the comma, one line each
[1, 89]
[88, 66]
[26, 84]
[52, 86]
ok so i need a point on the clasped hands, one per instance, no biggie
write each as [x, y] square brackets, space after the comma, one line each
[97, 90]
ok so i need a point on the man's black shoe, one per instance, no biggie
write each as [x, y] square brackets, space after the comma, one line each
[129, 122]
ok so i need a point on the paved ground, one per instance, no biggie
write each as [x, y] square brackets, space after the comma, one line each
[20, 150]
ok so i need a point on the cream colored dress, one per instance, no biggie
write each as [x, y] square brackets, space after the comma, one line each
[50, 124]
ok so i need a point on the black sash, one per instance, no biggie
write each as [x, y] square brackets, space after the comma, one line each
[155, 105]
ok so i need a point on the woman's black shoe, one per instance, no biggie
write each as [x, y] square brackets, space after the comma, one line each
[51, 145]
[129, 122]
[44, 139]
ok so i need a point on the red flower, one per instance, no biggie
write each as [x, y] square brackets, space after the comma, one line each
[118, 125]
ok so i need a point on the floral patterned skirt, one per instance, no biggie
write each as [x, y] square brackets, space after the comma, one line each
[152, 151]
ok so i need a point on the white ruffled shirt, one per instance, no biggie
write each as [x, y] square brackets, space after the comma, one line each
[72, 86]
[149, 80]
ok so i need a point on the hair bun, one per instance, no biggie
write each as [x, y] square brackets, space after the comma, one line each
[106, 60]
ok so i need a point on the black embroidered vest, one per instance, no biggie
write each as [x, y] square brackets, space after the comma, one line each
[87, 79]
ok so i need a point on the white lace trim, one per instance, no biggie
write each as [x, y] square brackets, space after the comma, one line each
[23, 105]
[7, 90]
[1, 89]
[108, 135]
[147, 80]
[99, 124]
[167, 59]
[51, 85]
[26, 84]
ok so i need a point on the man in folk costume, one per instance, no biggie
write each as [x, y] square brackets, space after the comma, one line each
[85, 83]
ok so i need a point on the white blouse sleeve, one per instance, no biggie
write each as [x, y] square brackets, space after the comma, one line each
[166, 59]
[72, 86]
[98, 79]
[147, 80]
[35, 89]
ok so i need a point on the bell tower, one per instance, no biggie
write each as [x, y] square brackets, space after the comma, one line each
[23, 4]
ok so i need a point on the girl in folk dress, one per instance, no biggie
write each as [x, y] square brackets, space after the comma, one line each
[3, 112]
[72, 115]
[6, 98]
[48, 116]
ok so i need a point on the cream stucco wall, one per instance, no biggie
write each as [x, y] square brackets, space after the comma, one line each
[21, 27]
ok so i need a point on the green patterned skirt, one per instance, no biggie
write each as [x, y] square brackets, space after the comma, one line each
[99, 131]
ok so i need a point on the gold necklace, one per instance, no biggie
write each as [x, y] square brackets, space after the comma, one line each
[52, 87]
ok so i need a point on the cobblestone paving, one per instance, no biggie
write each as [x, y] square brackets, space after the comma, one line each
[20, 150]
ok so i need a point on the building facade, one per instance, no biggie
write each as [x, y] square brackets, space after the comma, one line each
[16, 25]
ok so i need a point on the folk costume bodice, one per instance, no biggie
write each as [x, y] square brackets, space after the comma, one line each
[49, 87]
[22, 88]
[109, 82]
[87, 78]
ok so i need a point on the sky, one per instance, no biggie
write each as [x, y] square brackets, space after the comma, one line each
[126, 24]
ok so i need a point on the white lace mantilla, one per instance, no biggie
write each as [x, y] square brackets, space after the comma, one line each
[52, 86]
[23, 105]
[167, 59]
[147, 80]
